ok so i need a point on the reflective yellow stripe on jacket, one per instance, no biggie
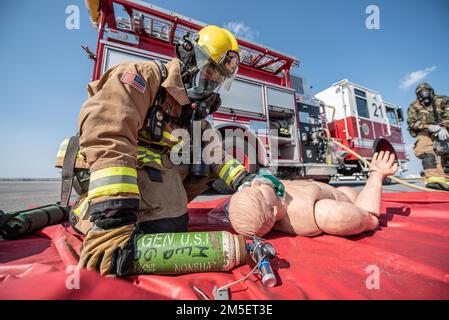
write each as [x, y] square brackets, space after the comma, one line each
[230, 171]
[113, 181]
[172, 142]
[63, 148]
[168, 140]
[145, 155]
[81, 208]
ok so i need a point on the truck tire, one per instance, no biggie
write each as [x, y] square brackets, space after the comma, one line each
[248, 152]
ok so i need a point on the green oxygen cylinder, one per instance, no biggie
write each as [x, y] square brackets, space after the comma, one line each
[21, 223]
[188, 252]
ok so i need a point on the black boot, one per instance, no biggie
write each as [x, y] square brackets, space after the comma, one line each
[437, 186]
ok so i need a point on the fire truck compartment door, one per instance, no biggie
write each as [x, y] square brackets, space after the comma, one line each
[280, 98]
[113, 57]
[243, 95]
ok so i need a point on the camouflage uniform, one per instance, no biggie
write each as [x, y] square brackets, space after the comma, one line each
[420, 115]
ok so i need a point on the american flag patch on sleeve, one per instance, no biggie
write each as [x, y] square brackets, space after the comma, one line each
[134, 80]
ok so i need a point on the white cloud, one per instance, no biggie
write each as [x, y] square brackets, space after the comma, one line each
[415, 77]
[241, 30]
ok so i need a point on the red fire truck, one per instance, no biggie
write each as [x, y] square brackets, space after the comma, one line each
[261, 102]
[363, 121]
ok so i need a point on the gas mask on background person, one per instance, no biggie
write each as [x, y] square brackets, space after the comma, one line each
[425, 96]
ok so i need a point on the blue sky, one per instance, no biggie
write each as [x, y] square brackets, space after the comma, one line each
[45, 72]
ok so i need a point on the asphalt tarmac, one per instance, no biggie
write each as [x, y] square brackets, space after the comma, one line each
[19, 195]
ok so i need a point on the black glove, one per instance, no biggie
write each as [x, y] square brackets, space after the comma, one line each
[113, 218]
[247, 178]
[244, 177]
[122, 260]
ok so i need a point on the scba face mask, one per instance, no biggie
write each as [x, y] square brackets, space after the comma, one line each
[204, 83]
[211, 75]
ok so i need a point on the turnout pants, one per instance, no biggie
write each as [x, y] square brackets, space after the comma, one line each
[165, 194]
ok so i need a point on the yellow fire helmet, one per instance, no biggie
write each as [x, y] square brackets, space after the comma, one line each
[94, 11]
[217, 58]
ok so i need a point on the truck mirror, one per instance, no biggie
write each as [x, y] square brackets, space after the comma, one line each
[400, 115]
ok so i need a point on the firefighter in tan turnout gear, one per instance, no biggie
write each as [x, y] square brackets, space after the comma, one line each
[428, 121]
[124, 169]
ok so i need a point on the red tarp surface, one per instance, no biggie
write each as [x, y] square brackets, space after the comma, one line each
[410, 253]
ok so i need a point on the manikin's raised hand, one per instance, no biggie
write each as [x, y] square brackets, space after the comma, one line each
[384, 163]
[382, 166]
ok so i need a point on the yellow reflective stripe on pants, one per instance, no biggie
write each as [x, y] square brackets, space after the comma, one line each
[112, 181]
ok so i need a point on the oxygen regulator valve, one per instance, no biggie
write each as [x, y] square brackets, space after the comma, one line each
[262, 252]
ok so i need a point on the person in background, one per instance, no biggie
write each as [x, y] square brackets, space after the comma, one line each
[428, 121]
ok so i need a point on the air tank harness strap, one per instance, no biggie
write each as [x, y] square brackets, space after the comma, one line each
[68, 170]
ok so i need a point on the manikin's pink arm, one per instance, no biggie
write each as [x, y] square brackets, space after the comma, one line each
[312, 208]
[342, 218]
[381, 166]
[359, 213]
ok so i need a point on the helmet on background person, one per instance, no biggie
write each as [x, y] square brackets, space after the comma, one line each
[425, 93]
[210, 60]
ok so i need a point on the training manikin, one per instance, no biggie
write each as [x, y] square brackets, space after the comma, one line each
[312, 208]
